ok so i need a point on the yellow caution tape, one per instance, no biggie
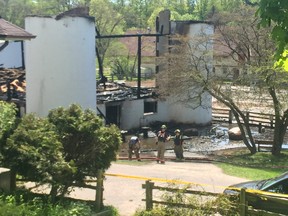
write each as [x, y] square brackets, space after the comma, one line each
[253, 191]
[161, 180]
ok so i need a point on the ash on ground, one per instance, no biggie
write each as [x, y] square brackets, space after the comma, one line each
[207, 140]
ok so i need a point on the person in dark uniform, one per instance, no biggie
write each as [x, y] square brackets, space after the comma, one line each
[178, 145]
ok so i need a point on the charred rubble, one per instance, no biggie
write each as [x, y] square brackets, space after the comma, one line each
[12, 84]
[116, 91]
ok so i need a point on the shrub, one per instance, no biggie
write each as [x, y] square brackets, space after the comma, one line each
[86, 141]
[34, 151]
[14, 205]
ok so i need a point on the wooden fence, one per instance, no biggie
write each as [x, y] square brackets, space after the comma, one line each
[99, 188]
[86, 184]
[255, 118]
[245, 197]
[150, 186]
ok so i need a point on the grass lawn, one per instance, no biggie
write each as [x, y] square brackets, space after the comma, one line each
[242, 164]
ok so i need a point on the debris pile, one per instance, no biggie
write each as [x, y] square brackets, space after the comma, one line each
[12, 84]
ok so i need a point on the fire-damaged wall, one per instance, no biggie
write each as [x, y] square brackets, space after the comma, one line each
[130, 112]
[183, 112]
[60, 63]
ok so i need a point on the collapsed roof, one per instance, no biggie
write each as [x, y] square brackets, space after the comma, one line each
[15, 80]
[117, 91]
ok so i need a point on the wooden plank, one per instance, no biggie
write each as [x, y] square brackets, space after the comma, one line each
[264, 144]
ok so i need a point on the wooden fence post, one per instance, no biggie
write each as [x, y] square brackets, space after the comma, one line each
[99, 191]
[247, 116]
[243, 207]
[230, 116]
[260, 127]
[271, 121]
[149, 194]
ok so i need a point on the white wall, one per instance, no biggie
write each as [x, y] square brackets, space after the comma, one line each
[60, 63]
[132, 114]
[191, 112]
[11, 56]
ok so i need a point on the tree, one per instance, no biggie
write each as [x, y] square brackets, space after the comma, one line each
[102, 11]
[190, 71]
[15, 11]
[275, 12]
[123, 67]
[54, 7]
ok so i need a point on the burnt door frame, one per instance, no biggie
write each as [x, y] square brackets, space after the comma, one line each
[113, 114]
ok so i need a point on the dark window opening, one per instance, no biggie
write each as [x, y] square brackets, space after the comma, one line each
[150, 107]
[113, 115]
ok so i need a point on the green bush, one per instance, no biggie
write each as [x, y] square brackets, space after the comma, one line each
[17, 206]
[85, 139]
[34, 151]
[59, 150]
[8, 122]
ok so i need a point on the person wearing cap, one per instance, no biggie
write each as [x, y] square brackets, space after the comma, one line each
[178, 145]
[162, 138]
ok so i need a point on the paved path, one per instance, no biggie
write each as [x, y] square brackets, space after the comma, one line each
[126, 193]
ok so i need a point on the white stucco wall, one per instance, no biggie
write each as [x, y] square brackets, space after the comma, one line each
[189, 113]
[60, 63]
[192, 112]
[11, 56]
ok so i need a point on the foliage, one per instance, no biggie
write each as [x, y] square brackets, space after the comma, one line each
[18, 204]
[16, 10]
[198, 205]
[86, 141]
[34, 151]
[123, 67]
[102, 11]
[275, 11]
[7, 119]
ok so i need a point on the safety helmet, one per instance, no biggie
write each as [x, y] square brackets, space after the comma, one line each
[177, 131]
[163, 127]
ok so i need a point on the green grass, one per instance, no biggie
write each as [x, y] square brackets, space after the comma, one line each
[258, 166]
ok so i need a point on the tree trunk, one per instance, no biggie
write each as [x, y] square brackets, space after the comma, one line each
[279, 133]
[245, 129]
[53, 193]
[280, 123]
[239, 115]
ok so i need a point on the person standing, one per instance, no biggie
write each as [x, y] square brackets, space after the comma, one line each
[134, 146]
[162, 138]
[178, 145]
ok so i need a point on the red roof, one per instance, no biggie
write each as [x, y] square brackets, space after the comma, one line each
[148, 44]
[9, 31]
